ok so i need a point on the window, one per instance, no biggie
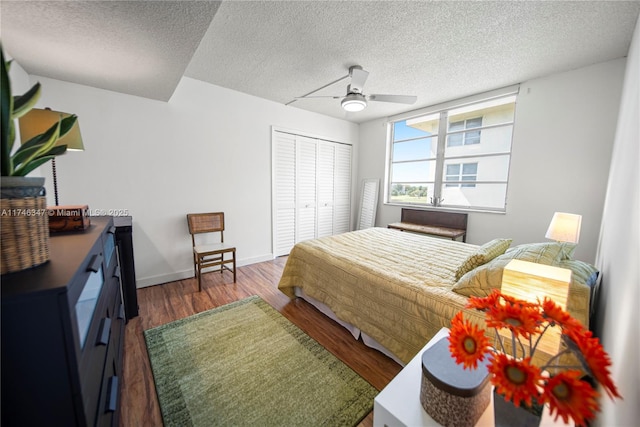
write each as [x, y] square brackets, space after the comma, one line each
[457, 138]
[457, 173]
[456, 158]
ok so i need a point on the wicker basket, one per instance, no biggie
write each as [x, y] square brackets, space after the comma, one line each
[25, 233]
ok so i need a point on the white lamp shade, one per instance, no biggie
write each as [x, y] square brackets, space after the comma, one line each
[564, 227]
[532, 282]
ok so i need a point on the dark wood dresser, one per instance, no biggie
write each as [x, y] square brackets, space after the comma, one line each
[62, 334]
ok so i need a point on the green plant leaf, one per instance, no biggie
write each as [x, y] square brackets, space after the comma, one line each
[57, 150]
[23, 154]
[24, 103]
[32, 165]
[39, 149]
[38, 140]
[49, 139]
[66, 124]
[6, 101]
[28, 153]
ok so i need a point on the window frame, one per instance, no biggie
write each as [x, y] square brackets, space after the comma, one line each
[442, 136]
[465, 131]
[460, 181]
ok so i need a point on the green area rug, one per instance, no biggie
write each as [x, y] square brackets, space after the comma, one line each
[244, 364]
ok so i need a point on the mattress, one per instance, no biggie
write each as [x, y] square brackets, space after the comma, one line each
[395, 287]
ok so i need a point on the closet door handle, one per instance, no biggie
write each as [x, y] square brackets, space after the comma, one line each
[104, 332]
[95, 263]
[112, 394]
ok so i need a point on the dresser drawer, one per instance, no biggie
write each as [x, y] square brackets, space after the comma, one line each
[94, 359]
[62, 334]
[109, 404]
[100, 344]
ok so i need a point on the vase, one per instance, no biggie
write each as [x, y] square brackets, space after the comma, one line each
[24, 223]
[506, 414]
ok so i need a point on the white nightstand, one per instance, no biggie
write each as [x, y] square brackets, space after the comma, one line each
[399, 403]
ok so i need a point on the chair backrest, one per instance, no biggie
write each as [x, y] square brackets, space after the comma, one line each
[209, 222]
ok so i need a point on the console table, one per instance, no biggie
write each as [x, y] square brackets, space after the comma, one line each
[398, 404]
[62, 334]
[451, 225]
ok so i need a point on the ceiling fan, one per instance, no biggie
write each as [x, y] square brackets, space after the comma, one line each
[355, 100]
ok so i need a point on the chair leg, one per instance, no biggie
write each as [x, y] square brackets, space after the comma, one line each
[234, 266]
[199, 274]
[195, 265]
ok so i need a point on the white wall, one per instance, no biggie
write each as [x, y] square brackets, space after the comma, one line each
[207, 149]
[562, 143]
[619, 255]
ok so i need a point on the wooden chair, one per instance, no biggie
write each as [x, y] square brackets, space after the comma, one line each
[211, 254]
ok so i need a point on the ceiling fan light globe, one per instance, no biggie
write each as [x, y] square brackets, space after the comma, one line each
[354, 102]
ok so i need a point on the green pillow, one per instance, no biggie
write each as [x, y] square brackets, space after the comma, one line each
[581, 272]
[482, 280]
[484, 254]
[542, 253]
[494, 248]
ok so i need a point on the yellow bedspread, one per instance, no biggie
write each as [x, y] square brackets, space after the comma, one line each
[394, 286]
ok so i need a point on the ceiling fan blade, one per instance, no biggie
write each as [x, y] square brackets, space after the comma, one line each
[400, 99]
[358, 78]
[319, 96]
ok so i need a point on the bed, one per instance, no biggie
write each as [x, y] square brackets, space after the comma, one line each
[397, 289]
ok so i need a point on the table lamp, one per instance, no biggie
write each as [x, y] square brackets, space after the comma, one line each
[531, 281]
[564, 227]
[37, 121]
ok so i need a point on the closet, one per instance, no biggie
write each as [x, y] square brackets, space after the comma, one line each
[311, 194]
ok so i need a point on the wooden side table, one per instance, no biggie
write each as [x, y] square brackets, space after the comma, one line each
[399, 403]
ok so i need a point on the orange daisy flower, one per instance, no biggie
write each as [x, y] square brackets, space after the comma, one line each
[467, 342]
[569, 397]
[555, 314]
[515, 301]
[522, 321]
[485, 303]
[597, 360]
[515, 379]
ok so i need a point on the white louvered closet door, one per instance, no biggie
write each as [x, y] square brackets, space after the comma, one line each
[306, 191]
[325, 175]
[342, 189]
[284, 192]
[311, 189]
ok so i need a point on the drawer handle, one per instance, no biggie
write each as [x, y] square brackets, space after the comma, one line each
[95, 263]
[112, 230]
[112, 394]
[105, 331]
[121, 312]
[116, 272]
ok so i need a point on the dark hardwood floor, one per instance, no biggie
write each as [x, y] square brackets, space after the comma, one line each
[164, 303]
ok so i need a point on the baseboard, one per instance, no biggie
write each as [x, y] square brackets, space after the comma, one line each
[186, 274]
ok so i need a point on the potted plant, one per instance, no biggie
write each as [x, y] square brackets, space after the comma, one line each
[24, 219]
[568, 385]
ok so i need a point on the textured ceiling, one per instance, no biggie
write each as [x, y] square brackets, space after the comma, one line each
[278, 50]
[137, 47]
